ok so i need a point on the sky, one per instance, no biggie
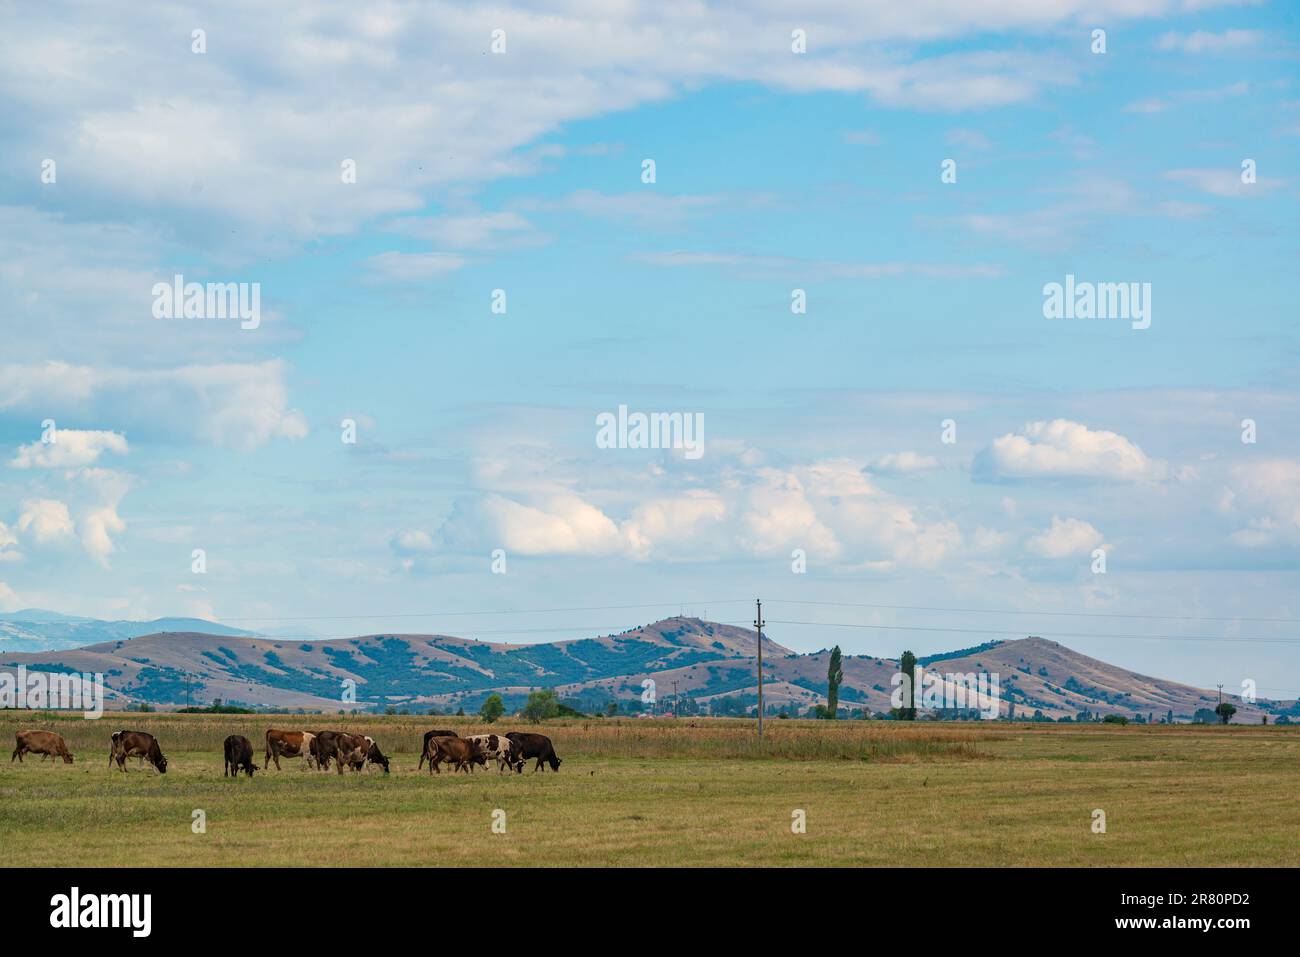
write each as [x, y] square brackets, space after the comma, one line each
[458, 248]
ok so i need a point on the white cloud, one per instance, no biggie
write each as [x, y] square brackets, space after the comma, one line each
[8, 553]
[413, 267]
[71, 448]
[235, 405]
[1062, 449]
[412, 542]
[901, 463]
[9, 600]
[828, 508]
[1267, 493]
[1225, 181]
[1065, 537]
[1204, 41]
[410, 93]
[45, 520]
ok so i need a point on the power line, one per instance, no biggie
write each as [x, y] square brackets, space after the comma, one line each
[1058, 634]
[1012, 611]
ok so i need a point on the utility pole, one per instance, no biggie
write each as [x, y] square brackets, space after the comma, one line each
[187, 689]
[674, 699]
[758, 623]
[1220, 694]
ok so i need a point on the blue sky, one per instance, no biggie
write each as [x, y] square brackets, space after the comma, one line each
[775, 171]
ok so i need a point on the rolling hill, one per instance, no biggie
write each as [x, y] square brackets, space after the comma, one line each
[34, 629]
[700, 660]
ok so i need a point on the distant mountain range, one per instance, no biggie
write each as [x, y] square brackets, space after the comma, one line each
[700, 660]
[34, 629]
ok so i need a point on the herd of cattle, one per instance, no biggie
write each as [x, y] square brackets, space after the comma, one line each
[319, 749]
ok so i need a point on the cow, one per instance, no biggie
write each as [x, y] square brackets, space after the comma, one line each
[44, 743]
[342, 748]
[425, 747]
[239, 756]
[288, 744]
[500, 747]
[374, 755]
[136, 743]
[456, 751]
[529, 745]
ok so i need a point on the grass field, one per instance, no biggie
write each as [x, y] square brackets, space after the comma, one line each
[640, 793]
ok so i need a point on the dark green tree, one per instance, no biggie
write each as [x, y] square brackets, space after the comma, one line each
[492, 708]
[1225, 711]
[541, 705]
[834, 675]
[908, 664]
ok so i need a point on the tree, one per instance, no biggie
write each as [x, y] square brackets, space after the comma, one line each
[834, 675]
[492, 708]
[541, 705]
[908, 711]
[1225, 711]
[1169, 718]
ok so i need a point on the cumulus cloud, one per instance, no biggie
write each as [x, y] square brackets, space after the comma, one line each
[9, 600]
[235, 405]
[71, 448]
[45, 520]
[1062, 449]
[828, 508]
[1064, 538]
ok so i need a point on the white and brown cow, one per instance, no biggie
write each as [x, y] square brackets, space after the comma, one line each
[288, 744]
[500, 747]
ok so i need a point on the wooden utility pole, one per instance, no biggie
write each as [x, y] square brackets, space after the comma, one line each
[758, 623]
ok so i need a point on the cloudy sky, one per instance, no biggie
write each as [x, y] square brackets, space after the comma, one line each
[922, 433]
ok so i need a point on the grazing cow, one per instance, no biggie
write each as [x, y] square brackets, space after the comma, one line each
[529, 745]
[500, 747]
[457, 751]
[372, 756]
[428, 735]
[288, 744]
[44, 743]
[342, 748]
[136, 743]
[239, 756]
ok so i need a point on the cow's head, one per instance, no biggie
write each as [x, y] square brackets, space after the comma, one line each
[554, 762]
[161, 764]
[377, 757]
[67, 758]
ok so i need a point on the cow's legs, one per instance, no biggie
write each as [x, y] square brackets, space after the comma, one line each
[18, 753]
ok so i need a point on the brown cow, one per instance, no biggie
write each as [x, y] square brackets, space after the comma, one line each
[288, 744]
[342, 748]
[129, 743]
[530, 745]
[458, 751]
[239, 756]
[425, 747]
[44, 743]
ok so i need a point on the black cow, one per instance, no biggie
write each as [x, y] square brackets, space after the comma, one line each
[239, 756]
[530, 745]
